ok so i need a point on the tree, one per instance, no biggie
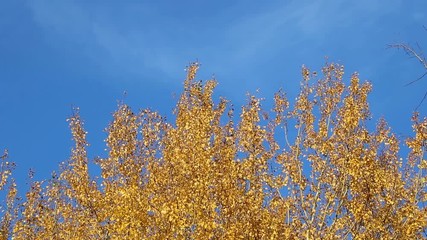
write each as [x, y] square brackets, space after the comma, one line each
[207, 177]
[8, 210]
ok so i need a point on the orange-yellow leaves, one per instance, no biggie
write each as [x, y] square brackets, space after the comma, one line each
[207, 177]
[418, 143]
[6, 169]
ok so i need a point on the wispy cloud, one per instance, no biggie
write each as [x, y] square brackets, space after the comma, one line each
[299, 21]
[130, 50]
[163, 43]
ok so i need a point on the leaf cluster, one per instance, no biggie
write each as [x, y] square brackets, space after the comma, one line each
[312, 171]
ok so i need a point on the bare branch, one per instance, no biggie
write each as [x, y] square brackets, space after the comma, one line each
[416, 80]
[422, 100]
[410, 51]
[419, 56]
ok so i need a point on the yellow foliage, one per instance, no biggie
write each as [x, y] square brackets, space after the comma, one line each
[314, 171]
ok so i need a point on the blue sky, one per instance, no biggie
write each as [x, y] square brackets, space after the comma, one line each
[59, 54]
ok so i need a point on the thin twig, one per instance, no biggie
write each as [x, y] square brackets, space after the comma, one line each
[5, 154]
[411, 52]
[418, 55]
[422, 100]
[416, 80]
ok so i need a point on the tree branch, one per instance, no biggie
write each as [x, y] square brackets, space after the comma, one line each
[420, 57]
[411, 52]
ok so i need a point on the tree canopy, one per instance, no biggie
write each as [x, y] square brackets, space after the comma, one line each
[306, 169]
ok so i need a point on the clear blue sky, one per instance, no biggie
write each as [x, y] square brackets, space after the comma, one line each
[59, 54]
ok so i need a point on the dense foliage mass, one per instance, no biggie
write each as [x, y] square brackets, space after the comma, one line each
[311, 171]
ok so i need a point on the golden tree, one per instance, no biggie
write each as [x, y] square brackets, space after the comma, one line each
[9, 210]
[312, 171]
